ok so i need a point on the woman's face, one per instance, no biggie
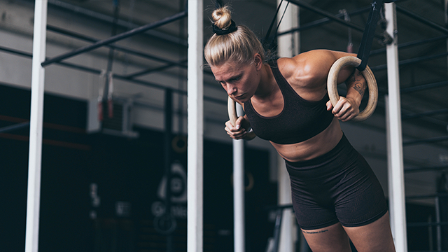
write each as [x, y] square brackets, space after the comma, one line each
[239, 80]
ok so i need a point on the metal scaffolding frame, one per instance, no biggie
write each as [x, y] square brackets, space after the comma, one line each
[410, 61]
[115, 38]
[323, 21]
[37, 94]
[328, 15]
[39, 62]
[125, 24]
[427, 140]
[115, 47]
[116, 76]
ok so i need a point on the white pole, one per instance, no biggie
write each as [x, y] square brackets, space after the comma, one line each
[37, 110]
[238, 192]
[288, 46]
[395, 148]
[389, 170]
[195, 127]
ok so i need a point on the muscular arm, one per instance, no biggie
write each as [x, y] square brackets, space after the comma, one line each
[356, 86]
[318, 64]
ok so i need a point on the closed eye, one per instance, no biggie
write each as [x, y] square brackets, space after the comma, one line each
[231, 80]
[236, 78]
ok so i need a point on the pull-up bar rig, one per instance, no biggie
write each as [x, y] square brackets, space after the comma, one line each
[115, 47]
[35, 150]
[115, 38]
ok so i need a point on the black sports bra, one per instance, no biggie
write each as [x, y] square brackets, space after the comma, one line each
[299, 120]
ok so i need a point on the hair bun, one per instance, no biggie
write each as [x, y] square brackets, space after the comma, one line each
[222, 18]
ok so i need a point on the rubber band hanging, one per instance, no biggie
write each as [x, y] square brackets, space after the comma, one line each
[101, 95]
[349, 31]
[110, 104]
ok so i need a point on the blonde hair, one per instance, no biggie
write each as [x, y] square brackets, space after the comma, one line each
[239, 46]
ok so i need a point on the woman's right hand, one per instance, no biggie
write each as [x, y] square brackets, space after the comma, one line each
[239, 130]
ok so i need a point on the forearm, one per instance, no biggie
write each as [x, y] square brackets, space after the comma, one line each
[356, 86]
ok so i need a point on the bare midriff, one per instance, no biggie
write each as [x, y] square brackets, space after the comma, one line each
[313, 147]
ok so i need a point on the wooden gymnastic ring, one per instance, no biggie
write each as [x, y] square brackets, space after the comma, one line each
[332, 85]
[231, 108]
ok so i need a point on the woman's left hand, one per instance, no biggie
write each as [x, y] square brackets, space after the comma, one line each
[345, 110]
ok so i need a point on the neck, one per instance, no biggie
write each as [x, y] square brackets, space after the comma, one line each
[267, 82]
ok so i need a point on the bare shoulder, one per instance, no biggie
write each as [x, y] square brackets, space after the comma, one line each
[308, 69]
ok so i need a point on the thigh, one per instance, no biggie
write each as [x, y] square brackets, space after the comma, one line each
[372, 237]
[360, 198]
[332, 238]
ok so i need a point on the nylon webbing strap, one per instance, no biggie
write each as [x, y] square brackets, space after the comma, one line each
[268, 43]
[369, 33]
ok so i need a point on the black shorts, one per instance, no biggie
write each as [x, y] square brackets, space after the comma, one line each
[338, 186]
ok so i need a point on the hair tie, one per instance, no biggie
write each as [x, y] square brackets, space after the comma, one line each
[228, 30]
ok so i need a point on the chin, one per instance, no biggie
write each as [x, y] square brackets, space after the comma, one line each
[240, 100]
[245, 99]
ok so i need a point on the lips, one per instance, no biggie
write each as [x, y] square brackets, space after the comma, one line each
[239, 97]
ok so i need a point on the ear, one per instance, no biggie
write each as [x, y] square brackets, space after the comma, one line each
[258, 61]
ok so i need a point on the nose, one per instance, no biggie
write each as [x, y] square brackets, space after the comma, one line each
[230, 89]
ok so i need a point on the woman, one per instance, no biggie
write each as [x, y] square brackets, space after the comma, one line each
[336, 196]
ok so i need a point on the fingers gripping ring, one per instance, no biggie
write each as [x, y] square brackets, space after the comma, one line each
[332, 84]
[231, 108]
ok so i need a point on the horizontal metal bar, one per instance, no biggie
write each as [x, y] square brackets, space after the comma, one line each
[326, 14]
[115, 38]
[426, 224]
[429, 196]
[14, 127]
[423, 87]
[79, 67]
[16, 52]
[419, 59]
[121, 77]
[125, 24]
[322, 21]
[428, 140]
[429, 113]
[425, 169]
[119, 48]
[409, 44]
[116, 47]
[422, 20]
[410, 61]
[151, 70]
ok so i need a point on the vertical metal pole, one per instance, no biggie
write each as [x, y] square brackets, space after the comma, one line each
[438, 227]
[168, 155]
[395, 136]
[288, 46]
[277, 229]
[389, 170]
[37, 111]
[195, 127]
[238, 192]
